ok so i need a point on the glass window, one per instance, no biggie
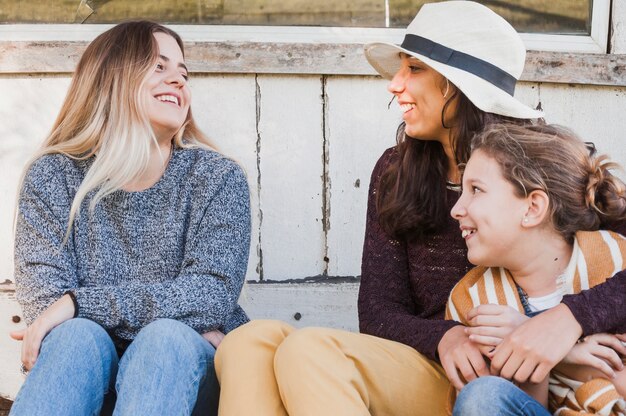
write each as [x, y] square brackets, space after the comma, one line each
[530, 16]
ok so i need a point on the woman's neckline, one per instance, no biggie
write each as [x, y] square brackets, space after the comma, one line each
[161, 180]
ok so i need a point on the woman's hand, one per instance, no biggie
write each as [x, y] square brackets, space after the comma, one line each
[600, 351]
[214, 337]
[536, 346]
[489, 324]
[460, 357]
[32, 336]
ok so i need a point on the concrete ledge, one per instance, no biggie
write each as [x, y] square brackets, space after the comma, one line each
[317, 301]
[304, 303]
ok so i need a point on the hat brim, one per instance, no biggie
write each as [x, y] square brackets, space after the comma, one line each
[385, 59]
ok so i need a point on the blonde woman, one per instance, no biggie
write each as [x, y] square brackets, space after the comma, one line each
[131, 241]
[533, 201]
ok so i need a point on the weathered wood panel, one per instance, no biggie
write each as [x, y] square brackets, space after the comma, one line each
[595, 113]
[291, 145]
[359, 126]
[27, 110]
[528, 93]
[575, 68]
[618, 22]
[225, 108]
[10, 312]
[306, 58]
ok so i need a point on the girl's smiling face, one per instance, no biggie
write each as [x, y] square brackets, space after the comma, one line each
[489, 211]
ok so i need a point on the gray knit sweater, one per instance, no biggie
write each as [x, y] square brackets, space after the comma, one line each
[177, 250]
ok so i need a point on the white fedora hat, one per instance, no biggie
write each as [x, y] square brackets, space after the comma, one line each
[470, 45]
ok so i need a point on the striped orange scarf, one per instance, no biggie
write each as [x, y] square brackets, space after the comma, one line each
[596, 256]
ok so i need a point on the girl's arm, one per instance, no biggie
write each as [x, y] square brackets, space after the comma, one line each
[595, 356]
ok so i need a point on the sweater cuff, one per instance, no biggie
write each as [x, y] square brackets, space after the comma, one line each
[74, 301]
[579, 307]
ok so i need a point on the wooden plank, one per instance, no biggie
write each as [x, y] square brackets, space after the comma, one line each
[528, 93]
[595, 113]
[224, 107]
[306, 58]
[359, 126]
[290, 151]
[575, 68]
[10, 350]
[27, 110]
[618, 23]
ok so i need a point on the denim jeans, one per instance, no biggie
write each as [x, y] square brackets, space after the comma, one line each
[166, 370]
[487, 396]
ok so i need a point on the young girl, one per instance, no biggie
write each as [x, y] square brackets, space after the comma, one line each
[533, 199]
[131, 242]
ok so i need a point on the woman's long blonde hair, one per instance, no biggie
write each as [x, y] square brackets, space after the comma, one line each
[104, 113]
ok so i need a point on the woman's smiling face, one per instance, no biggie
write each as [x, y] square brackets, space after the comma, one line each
[420, 91]
[169, 96]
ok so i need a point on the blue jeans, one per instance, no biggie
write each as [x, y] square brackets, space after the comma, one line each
[487, 396]
[166, 370]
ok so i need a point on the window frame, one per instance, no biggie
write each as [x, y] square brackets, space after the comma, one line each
[596, 42]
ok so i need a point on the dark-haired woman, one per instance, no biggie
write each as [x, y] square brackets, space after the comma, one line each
[454, 74]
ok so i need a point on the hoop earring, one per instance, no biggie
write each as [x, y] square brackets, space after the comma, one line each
[445, 94]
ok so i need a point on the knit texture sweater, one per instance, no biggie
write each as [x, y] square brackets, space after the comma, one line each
[596, 256]
[177, 250]
[405, 285]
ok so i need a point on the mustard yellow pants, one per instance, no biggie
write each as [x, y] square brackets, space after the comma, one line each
[270, 368]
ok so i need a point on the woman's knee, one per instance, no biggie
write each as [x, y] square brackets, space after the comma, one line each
[170, 339]
[250, 336]
[304, 345]
[80, 336]
[80, 351]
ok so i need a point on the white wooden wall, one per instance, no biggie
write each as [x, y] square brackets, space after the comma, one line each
[307, 143]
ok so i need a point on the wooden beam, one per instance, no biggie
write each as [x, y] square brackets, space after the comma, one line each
[54, 57]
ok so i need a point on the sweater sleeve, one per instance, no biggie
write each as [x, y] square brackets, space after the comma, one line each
[386, 307]
[205, 292]
[602, 308]
[44, 264]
